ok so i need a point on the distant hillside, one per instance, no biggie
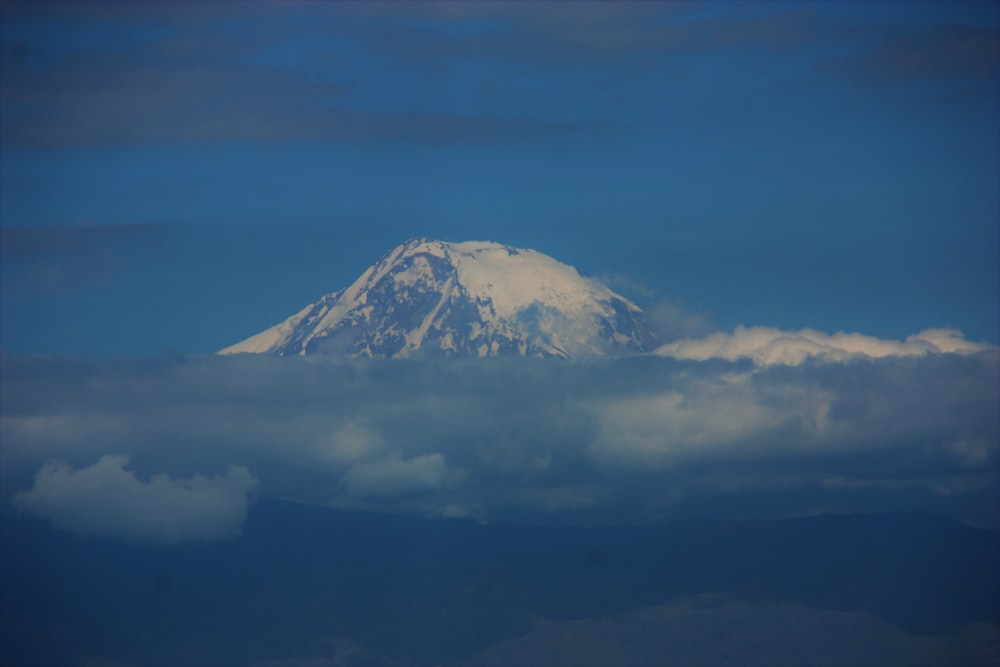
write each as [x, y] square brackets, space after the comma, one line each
[346, 588]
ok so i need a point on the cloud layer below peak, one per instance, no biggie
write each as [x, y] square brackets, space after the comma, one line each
[635, 439]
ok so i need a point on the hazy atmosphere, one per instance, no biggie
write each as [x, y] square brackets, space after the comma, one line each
[784, 215]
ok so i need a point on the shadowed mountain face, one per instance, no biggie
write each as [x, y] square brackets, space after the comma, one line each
[472, 299]
[306, 583]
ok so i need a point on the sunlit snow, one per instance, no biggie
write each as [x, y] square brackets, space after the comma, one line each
[476, 298]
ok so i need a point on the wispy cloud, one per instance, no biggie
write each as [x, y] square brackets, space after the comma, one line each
[63, 258]
[217, 83]
[346, 73]
[67, 239]
[583, 33]
[948, 52]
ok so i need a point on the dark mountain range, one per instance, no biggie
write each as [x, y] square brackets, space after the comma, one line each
[308, 585]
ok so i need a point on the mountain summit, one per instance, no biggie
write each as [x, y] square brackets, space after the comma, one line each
[476, 299]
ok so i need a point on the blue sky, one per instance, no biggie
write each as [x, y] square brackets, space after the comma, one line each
[178, 176]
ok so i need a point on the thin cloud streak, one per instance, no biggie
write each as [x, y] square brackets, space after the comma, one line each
[68, 239]
[945, 53]
[309, 72]
[61, 259]
[220, 85]
[124, 103]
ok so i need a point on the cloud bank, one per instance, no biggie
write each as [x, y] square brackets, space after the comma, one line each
[909, 425]
[105, 499]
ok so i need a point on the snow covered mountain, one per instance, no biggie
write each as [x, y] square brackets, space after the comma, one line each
[477, 298]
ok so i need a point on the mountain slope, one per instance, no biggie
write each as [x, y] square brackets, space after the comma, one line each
[462, 299]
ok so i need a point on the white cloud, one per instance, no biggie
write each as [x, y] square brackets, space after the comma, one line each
[767, 346]
[973, 452]
[393, 475]
[350, 442]
[655, 431]
[105, 499]
[600, 440]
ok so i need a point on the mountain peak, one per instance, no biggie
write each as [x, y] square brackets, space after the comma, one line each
[476, 298]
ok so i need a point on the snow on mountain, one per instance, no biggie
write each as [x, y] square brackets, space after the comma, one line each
[476, 298]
